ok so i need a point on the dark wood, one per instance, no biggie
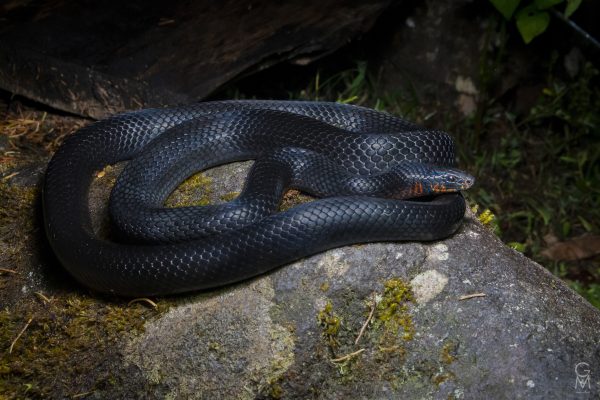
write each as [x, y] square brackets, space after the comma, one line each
[95, 58]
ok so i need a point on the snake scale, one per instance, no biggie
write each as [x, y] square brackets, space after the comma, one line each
[361, 162]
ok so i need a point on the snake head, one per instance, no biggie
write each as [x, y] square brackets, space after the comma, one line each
[424, 180]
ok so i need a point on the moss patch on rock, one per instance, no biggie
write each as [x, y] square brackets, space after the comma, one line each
[392, 314]
[292, 198]
[16, 221]
[361, 340]
[194, 191]
[229, 196]
[330, 324]
[64, 346]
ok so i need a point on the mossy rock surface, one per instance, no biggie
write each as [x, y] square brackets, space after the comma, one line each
[293, 333]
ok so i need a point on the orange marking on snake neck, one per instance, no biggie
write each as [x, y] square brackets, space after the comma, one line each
[439, 188]
[418, 188]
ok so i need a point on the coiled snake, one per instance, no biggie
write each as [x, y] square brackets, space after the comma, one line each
[360, 160]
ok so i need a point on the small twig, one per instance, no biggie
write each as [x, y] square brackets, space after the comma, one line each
[389, 349]
[8, 271]
[78, 395]
[347, 356]
[165, 21]
[12, 345]
[470, 296]
[143, 300]
[362, 329]
[577, 29]
[43, 297]
[7, 177]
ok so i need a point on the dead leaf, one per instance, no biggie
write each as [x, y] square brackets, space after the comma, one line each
[578, 248]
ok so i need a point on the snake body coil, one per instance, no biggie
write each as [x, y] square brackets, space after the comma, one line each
[325, 148]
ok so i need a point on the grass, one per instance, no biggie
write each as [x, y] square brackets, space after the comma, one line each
[541, 172]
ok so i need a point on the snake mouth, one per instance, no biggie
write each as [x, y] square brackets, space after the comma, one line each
[440, 188]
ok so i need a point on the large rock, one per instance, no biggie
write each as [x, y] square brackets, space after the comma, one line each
[277, 335]
[291, 333]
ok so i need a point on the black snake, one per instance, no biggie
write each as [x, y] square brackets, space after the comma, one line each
[362, 161]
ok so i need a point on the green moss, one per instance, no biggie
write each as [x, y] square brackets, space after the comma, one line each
[16, 203]
[448, 352]
[269, 381]
[330, 324]
[16, 223]
[442, 377]
[229, 196]
[215, 346]
[486, 217]
[293, 198]
[392, 312]
[194, 191]
[275, 390]
[108, 175]
[381, 352]
[67, 347]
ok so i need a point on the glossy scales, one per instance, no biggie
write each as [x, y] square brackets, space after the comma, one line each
[169, 144]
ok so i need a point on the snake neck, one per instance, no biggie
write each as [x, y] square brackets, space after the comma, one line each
[418, 180]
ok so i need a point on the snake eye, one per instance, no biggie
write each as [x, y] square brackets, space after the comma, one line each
[451, 178]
